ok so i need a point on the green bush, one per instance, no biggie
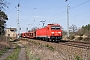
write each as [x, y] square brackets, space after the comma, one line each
[77, 58]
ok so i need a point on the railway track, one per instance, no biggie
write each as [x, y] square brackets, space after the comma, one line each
[76, 44]
[67, 43]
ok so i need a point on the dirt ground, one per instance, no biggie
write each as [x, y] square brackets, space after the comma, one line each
[22, 54]
[4, 56]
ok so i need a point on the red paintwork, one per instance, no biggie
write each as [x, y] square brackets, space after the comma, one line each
[23, 35]
[32, 34]
[47, 32]
[41, 32]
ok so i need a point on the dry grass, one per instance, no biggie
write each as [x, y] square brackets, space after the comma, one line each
[4, 42]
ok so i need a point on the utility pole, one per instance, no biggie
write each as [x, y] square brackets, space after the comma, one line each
[18, 24]
[43, 22]
[68, 20]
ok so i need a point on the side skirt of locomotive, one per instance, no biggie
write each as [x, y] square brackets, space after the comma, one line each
[51, 38]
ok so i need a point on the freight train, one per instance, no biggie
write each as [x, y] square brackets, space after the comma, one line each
[51, 32]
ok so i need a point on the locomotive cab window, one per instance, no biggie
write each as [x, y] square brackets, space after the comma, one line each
[55, 27]
[52, 28]
[58, 27]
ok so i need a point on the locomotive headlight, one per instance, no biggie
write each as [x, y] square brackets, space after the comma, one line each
[52, 32]
[59, 32]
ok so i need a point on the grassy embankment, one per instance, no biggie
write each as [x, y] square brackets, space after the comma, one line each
[3, 51]
[14, 54]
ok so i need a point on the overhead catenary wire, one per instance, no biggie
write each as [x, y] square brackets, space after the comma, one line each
[70, 8]
[44, 8]
[81, 13]
[41, 8]
[54, 16]
[78, 14]
[61, 7]
[80, 4]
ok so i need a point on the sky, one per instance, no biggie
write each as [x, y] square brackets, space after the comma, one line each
[31, 12]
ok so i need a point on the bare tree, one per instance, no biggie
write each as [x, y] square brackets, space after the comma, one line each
[34, 29]
[73, 28]
[3, 4]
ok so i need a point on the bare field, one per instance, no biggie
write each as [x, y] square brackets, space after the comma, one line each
[56, 51]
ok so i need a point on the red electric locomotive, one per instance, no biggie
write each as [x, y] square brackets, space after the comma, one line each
[52, 32]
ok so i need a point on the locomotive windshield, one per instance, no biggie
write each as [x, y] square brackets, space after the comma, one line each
[55, 27]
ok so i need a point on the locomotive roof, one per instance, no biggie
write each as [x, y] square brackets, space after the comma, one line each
[53, 24]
